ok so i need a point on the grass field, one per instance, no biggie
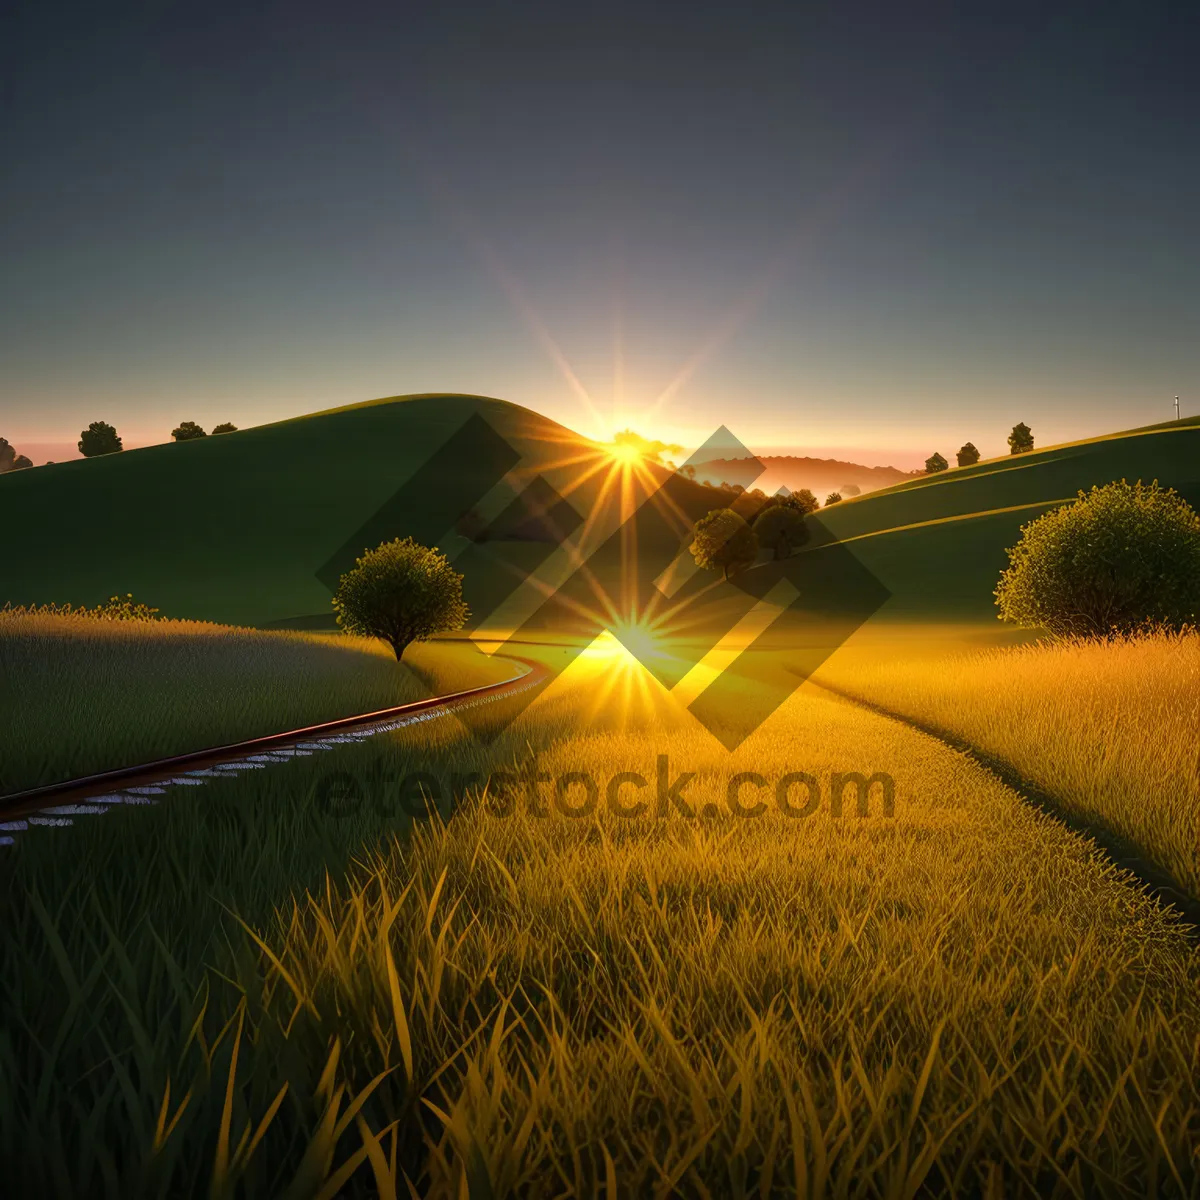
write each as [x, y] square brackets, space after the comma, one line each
[263, 986]
[961, 996]
[1108, 730]
[89, 695]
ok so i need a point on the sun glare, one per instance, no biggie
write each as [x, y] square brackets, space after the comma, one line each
[625, 453]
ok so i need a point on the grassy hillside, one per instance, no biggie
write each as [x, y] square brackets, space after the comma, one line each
[248, 528]
[938, 543]
[253, 528]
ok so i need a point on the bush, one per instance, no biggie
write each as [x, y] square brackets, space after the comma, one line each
[723, 541]
[968, 456]
[833, 498]
[187, 431]
[98, 438]
[401, 592]
[935, 463]
[225, 427]
[1119, 559]
[780, 528]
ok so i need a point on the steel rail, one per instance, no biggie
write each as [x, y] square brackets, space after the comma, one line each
[33, 800]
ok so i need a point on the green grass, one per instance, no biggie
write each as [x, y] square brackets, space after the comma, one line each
[963, 996]
[93, 695]
[235, 528]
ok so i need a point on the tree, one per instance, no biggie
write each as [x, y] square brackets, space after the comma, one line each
[224, 428]
[833, 498]
[188, 431]
[935, 463]
[968, 456]
[850, 489]
[1116, 559]
[401, 592]
[802, 501]
[98, 438]
[21, 462]
[7, 455]
[1020, 441]
[723, 541]
[781, 528]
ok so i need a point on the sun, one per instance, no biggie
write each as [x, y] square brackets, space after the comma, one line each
[628, 454]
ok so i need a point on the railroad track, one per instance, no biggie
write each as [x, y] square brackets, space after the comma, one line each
[90, 795]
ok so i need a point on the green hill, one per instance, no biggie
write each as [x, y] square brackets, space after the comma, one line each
[254, 527]
[938, 542]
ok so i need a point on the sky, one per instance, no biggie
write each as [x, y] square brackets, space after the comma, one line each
[865, 231]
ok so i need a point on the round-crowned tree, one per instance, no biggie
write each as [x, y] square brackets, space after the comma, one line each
[1118, 559]
[401, 592]
[935, 463]
[968, 456]
[99, 438]
[780, 528]
[1020, 441]
[225, 427]
[187, 431]
[802, 500]
[724, 542]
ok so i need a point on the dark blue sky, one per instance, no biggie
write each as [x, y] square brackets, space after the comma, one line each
[882, 227]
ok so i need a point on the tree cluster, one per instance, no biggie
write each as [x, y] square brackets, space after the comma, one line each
[1020, 441]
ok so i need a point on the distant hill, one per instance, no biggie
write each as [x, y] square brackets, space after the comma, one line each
[820, 475]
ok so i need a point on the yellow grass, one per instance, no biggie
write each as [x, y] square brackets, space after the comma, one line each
[84, 694]
[1109, 729]
[963, 995]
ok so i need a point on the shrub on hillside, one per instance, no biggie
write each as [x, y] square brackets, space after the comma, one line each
[187, 431]
[833, 498]
[1120, 558]
[934, 463]
[968, 456]
[225, 427]
[401, 592]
